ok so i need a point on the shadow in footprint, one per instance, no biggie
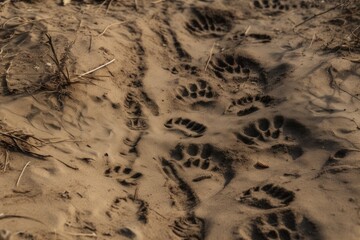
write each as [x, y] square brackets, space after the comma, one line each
[285, 225]
[280, 134]
[124, 175]
[186, 126]
[207, 22]
[267, 197]
[189, 227]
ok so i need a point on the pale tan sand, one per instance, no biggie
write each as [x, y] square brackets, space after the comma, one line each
[204, 119]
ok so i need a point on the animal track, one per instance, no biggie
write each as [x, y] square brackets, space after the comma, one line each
[137, 124]
[294, 151]
[130, 143]
[132, 105]
[196, 92]
[181, 52]
[126, 232]
[238, 69]
[203, 158]
[188, 197]
[186, 126]
[103, 98]
[209, 22]
[270, 134]
[189, 227]
[184, 69]
[141, 206]
[342, 157]
[283, 5]
[250, 104]
[5, 234]
[267, 196]
[169, 38]
[125, 175]
[135, 117]
[283, 225]
[189, 166]
[253, 37]
[263, 130]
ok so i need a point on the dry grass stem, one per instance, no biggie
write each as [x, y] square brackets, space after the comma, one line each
[333, 84]
[210, 56]
[18, 141]
[319, 14]
[8, 216]
[82, 234]
[55, 58]
[108, 6]
[102, 4]
[14, 138]
[90, 44]
[66, 164]
[97, 68]
[6, 160]
[21, 174]
[108, 26]
[3, 3]
[136, 5]
[312, 40]
[247, 30]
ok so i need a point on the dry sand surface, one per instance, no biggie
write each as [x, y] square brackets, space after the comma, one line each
[180, 119]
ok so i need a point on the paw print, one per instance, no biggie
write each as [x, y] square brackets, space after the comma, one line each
[250, 104]
[186, 126]
[238, 69]
[269, 134]
[124, 175]
[263, 130]
[137, 124]
[282, 225]
[208, 22]
[196, 92]
[251, 37]
[189, 227]
[283, 5]
[135, 117]
[267, 197]
[202, 161]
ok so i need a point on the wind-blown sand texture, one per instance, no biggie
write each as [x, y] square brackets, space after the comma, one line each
[180, 119]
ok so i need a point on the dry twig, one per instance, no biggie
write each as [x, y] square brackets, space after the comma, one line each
[210, 56]
[97, 68]
[247, 30]
[6, 160]
[5, 216]
[66, 164]
[319, 14]
[18, 141]
[92, 234]
[108, 7]
[22, 172]
[59, 65]
[334, 84]
[108, 26]
[136, 5]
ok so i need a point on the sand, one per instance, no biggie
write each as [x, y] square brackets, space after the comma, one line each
[212, 119]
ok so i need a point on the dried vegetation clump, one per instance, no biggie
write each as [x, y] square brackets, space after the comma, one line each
[346, 27]
[57, 85]
[12, 140]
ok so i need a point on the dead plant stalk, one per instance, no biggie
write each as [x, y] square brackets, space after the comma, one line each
[6, 160]
[210, 56]
[21, 174]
